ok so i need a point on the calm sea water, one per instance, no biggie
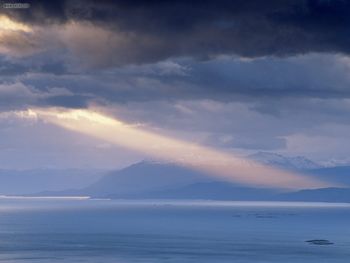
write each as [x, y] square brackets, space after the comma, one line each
[168, 231]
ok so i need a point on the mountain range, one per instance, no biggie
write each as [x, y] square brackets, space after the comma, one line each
[151, 180]
[278, 160]
[154, 180]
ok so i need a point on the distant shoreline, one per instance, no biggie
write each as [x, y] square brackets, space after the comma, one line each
[188, 202]
[45, 197]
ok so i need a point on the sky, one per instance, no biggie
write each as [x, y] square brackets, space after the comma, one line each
[235, 76]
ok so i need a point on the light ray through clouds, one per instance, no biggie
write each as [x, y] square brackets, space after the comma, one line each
[7, 24]
[212, 161]
[16, 39]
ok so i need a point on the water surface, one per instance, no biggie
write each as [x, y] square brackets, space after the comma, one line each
[171, 231]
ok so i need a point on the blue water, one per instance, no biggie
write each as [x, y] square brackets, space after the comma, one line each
[168, 231]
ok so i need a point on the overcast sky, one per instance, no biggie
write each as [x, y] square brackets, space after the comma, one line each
[244, 76]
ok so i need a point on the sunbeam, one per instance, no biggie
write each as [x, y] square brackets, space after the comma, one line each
[214, 162]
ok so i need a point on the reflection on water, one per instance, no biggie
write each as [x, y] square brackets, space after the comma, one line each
[168, 231]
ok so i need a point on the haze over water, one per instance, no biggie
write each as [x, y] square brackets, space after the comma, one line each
[171, 231]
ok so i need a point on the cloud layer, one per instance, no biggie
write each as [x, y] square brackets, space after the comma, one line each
[240, 75]
[151, 31]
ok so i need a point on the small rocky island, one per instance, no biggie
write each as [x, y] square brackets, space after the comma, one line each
[319, 242]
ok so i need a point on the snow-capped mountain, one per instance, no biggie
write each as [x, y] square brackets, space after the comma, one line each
[336, 163]
[274, 159]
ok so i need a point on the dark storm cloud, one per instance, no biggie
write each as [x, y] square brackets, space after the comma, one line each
[152, 31]
[120, 33]
[156, 30]
[226, 79]
[268, 85]
[65, 101]
[312, 76]
[12, 67]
